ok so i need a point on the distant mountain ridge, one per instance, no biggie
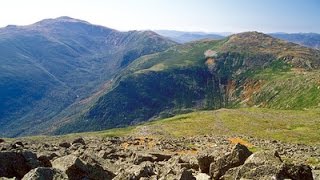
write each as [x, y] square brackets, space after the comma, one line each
[183, 37]
[305, 39]
[47, 66]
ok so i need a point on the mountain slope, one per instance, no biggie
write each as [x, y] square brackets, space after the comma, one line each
[184, 37]
[306, 39]
[246, 69]
[46, 66]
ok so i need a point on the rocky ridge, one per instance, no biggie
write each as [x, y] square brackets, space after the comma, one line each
[199, 157]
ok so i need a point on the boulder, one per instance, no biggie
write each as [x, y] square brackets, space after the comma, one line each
[141, 157]
[291, 171]
[17, 145]
[17, 164]
[231, 173]
[152, 157]
[44, 161]
[161, 156]
[76, 168]
[45, 173]
[31, 159]
[136, 172]
[120, 154]
[64, 144]
[49, 155]
[79, 140]
[204, 161]
[2, 140]
[105, 153]
[186, 174]
[202, 176]
[261, 165]
[268, 165]
[189, 162]
[170, 169]
[236, 158]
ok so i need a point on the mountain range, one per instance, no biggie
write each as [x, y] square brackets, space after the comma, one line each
[66, 75]
[305, 39]
[47, 66]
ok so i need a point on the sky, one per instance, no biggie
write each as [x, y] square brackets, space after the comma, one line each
[184, 15]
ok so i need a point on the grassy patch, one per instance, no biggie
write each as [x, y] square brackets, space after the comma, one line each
[295, 126]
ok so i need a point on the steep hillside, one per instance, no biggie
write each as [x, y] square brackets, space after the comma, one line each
[46, 66]
[247, 69]
[306, 39]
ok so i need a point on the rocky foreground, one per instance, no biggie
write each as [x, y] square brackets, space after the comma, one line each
[145, 158]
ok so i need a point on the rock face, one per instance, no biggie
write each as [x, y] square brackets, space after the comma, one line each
[138, 158]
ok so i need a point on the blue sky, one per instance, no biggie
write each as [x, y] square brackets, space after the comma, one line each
[186, 15]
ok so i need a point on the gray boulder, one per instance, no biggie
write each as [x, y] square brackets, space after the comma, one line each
[161, 156]
[44, 161]
[204, 161]
[141, 157]
[45, 173]
[261, 165]
[79, 140]
[17, 164]
[202, 176]
[268, 165]
[236, 158]
[64, 144]
[152, 157]
[136, 172]
[296, 172]
[189, 162]
[186, 174]
[76, 168]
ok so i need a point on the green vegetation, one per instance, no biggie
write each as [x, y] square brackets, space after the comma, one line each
[293, 126]
[289, 90]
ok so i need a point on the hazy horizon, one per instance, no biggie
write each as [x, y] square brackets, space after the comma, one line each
[211, 16]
